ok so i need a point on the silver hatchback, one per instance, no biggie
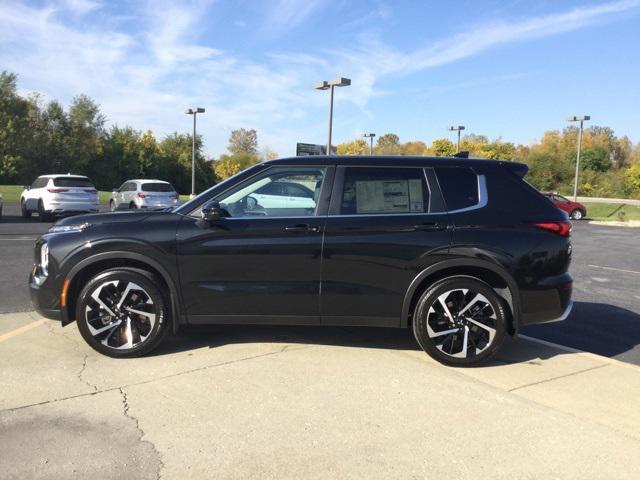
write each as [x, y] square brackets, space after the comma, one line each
[149, 194]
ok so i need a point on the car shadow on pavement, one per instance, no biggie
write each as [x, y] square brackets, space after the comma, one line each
[599, 328]
[597, 321]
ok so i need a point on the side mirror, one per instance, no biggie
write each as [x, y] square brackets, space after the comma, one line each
[27, 187]
[212, 212]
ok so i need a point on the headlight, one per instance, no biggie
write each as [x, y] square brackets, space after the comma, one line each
[44, 259]
[68, 228]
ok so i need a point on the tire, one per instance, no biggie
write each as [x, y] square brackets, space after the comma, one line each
[132, 206]
[112, 205]
[577, 214]
[485, 327]
[43, 216]
[124, 334]
[23, 207]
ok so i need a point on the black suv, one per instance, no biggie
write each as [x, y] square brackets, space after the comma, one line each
[460, 251]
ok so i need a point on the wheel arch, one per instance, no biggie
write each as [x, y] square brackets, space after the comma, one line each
[497, 277]
[94, 264]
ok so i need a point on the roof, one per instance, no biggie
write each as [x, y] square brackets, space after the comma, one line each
[57, 175]
[384, 160]
[147, 180]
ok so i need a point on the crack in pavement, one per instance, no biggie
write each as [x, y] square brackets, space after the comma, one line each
[557, 378]
[145, 382]
[81, 372]
[126, 407]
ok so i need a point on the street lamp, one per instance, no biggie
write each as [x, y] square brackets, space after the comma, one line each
[458, 129]
[581, 119]
[370, 137]
[324, 85]
[194, 112]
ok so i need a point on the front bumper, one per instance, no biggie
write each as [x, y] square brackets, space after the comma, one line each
[44, 300]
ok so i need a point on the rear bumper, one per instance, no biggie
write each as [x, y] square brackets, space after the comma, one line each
[549, 301]
[71, 207]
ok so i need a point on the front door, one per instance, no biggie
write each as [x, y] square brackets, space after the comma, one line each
[385, 225]
[261, 263]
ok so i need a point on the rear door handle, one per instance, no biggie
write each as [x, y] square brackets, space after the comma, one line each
[426, 227]
[301, 228]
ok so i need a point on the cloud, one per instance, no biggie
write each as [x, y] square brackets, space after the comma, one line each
[145, 75]
[284, 15]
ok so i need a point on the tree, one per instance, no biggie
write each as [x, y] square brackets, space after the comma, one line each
[228, 165]
[416, 148]
[268, 154]
[443, 147]
[388, 144]
[357, 147]
[595, 158]
[14, 133]
[243, 141]
[175, 163]
[632, 180]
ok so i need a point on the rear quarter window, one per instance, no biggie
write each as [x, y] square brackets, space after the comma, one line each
[459, 187]
[510, 193]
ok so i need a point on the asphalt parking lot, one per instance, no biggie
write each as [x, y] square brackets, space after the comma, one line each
[327, 402]
[605, 266]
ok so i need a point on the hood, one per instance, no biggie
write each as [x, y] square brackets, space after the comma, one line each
[113, 217]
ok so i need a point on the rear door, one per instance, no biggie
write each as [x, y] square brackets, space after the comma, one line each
[386, 224]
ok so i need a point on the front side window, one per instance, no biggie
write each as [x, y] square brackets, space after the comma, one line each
[459, 187]
[371, 190]
[278, 192]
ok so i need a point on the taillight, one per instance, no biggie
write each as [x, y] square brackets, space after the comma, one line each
[562, 227]
[142, 195]
[57, 190]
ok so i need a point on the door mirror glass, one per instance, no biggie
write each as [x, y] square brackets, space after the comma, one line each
[213, 212]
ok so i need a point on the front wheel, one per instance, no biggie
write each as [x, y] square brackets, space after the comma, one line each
[123, 312]
[577, 214]
[112, 205]
[460, 321]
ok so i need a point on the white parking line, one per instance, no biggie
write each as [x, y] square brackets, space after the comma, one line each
[615, 269]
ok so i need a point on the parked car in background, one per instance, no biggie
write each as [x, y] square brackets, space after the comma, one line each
[148, 194]
[576, 210]
[51, 195]
[460, 252]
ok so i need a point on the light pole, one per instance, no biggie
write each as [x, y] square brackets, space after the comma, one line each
[370, 137]
[581, 119]
[324, 85]
[458, 128]
[194, 112]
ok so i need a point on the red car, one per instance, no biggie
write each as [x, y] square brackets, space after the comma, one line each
[576, 210]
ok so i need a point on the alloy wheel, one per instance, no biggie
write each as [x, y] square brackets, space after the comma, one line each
[461, 323]
[120, 314]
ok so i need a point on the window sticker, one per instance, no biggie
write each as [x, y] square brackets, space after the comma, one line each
[389, 196]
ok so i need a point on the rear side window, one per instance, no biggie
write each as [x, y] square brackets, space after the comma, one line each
[459, 187]
[384, 190]
[157, 187]
[72, 182]
[509, 193]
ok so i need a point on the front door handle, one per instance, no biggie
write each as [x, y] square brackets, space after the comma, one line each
[301, 228]
[426, 227]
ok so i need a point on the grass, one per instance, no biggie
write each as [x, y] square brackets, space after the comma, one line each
[11, 194]
[612, 211]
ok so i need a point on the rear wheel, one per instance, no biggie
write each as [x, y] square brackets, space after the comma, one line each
[23, 208]
[460, 321]
[112, 205]
[132, 206]
[577, 214]
[123, 312]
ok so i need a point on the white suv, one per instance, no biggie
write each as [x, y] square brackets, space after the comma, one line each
[51, 195]
[151, 194]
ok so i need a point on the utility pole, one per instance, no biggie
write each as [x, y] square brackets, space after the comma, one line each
[458, 128]
[581, 119]
[324, 85]
[370, 137]
[194, 112]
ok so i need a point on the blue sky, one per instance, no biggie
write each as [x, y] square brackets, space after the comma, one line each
[509, 69]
